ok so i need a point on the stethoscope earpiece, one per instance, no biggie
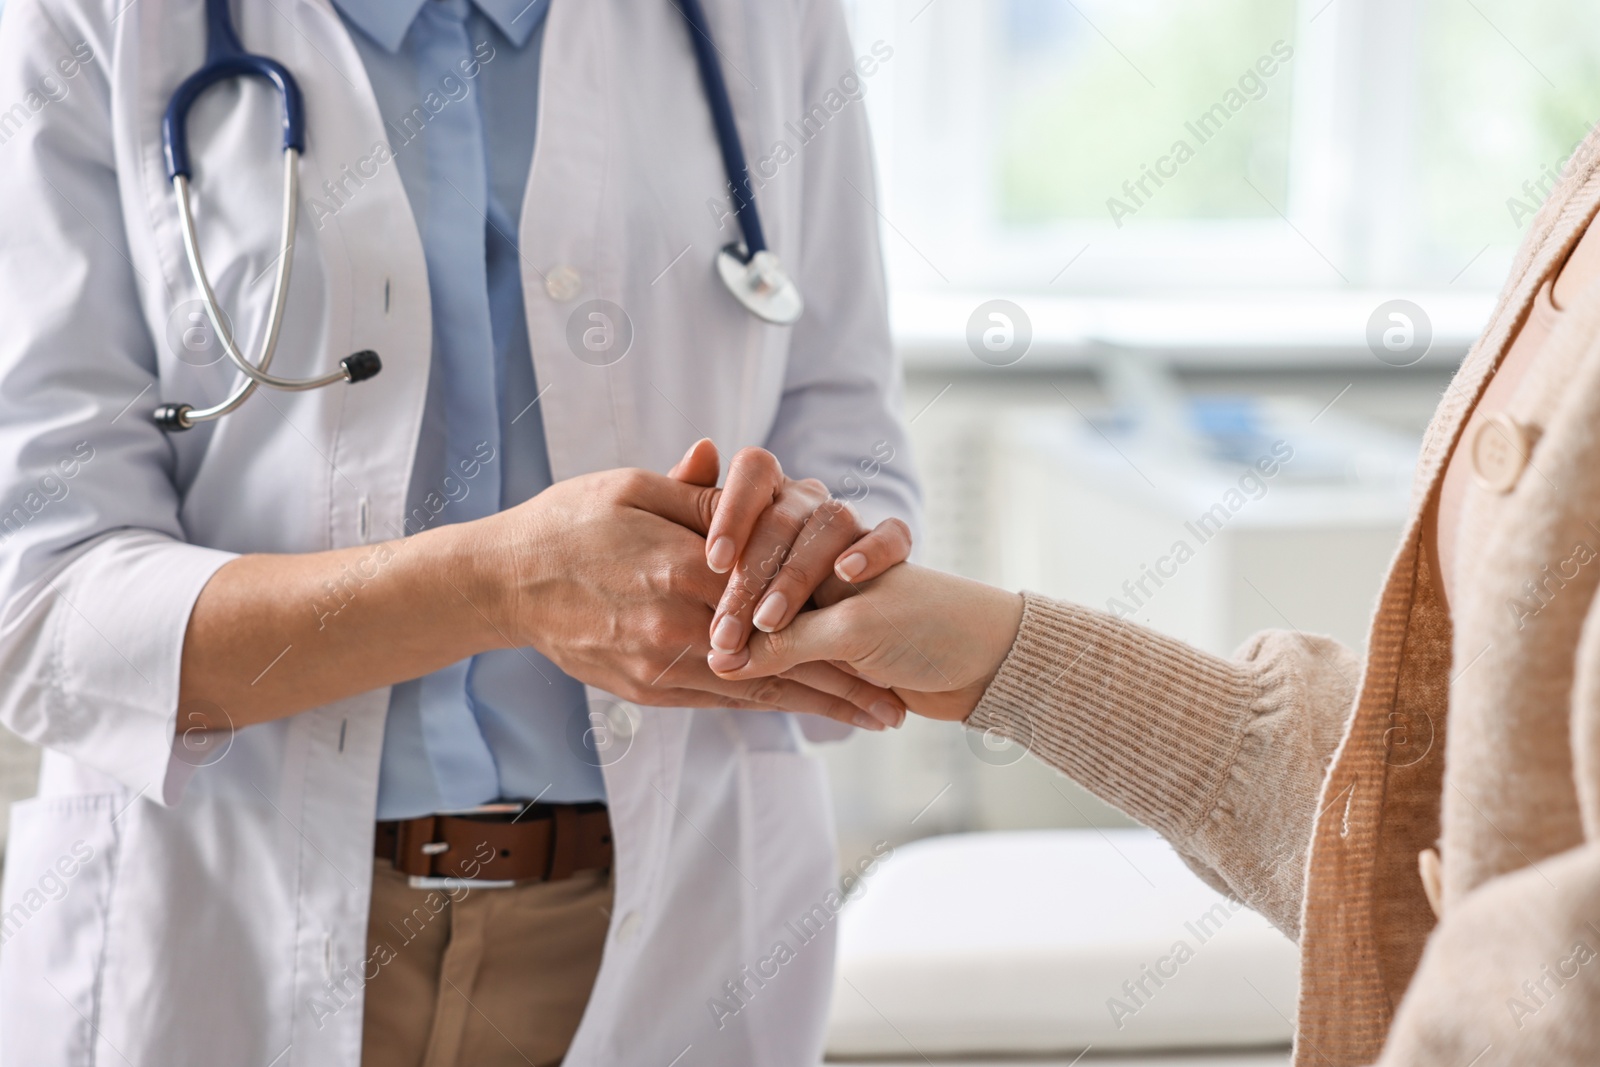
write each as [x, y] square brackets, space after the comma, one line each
[356, 367]
[361, 365]
[173, 417]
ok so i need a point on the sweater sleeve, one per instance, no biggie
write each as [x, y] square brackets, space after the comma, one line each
[1224, 757]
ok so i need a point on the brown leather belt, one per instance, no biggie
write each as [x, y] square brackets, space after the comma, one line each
[500, 842]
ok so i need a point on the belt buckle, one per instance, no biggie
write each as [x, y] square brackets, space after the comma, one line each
[450, 884]
[492, 807]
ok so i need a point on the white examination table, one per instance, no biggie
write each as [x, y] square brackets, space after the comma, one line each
[973, 948]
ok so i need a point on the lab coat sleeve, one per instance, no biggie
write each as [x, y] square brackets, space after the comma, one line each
[96, 582]
[839, 419]
[1224, 756]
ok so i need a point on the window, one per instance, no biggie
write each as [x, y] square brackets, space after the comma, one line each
[1088, 134]
[1097, 146]
[1505, 92]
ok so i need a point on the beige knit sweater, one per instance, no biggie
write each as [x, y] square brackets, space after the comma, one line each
[1308, 782]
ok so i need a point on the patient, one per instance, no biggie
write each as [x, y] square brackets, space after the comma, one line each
[1443, 884]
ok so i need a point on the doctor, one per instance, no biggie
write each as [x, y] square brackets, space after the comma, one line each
[264, 656]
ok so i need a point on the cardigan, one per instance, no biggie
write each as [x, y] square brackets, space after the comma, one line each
[1423, 820]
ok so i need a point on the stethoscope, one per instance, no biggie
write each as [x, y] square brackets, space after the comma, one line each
[750, 269]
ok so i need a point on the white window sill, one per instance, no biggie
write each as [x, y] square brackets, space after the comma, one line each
[1231, 331]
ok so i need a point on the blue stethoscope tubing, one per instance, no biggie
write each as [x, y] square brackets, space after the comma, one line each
[751, 271]
[225, 60]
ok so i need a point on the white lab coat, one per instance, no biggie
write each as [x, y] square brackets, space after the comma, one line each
[163, 916]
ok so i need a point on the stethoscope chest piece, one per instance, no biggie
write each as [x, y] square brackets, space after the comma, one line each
[761, 284]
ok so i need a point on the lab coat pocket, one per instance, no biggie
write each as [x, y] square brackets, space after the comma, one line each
[795, 910]
[58, 873]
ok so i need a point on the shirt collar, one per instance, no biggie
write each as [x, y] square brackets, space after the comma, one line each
[517, 19]
[386, 21]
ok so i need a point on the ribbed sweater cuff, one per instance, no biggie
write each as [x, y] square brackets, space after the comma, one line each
[1148, 723]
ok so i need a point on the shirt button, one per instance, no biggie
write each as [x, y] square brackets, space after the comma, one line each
[1429, 867]
[563, 283]
[628, 927]
[1500, 448]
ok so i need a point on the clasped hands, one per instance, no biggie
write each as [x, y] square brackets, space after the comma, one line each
[669, 591]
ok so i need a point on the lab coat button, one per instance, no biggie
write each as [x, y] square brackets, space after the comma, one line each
[628, 927]
[563, 283]
[1500, 448]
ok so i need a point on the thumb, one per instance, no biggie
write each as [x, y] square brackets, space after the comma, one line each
[824, 634]
[700, 465]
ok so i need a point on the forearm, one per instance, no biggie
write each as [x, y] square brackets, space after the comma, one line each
[273, 635]
[1225, 757]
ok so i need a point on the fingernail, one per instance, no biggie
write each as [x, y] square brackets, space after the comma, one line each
[867, 722]
[851, 565]
[723, 662]
[720, 557]
[886, 713]
[725, 638]
[771, 612]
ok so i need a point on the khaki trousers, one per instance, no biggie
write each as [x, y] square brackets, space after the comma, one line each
[480, 977]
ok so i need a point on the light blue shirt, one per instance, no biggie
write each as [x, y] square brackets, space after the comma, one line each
[457, 85]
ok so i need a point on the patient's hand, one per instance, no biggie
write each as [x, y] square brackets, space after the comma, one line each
[934, 638]
[781, 541]
[796, 528]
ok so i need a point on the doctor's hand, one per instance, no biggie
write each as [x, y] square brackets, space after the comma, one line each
[937, 640]
[605, 574]
[782, 541]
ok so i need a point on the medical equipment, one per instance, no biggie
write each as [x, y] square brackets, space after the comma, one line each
[750, 270]
[752, 273]
[226, 59]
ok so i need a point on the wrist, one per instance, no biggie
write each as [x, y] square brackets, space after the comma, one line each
[474, 569]
[1002, 621]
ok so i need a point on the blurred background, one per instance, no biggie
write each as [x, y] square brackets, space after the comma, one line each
[1163, 339]
[1209, 230]
[1135, 247]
